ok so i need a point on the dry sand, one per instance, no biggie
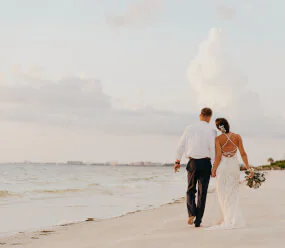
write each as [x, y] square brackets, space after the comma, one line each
[166, 227]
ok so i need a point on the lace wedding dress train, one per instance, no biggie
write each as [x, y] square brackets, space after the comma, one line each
[227, 189]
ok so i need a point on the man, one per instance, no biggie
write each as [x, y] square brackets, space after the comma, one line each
[198, 144]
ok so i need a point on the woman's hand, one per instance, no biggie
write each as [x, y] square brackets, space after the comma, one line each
[213, 174]
[251, 170]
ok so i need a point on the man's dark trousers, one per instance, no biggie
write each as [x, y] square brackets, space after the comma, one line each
[199, 170]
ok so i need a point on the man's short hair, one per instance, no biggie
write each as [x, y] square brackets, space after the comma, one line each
[206, 112]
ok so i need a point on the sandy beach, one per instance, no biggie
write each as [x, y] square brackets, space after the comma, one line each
[264, 210]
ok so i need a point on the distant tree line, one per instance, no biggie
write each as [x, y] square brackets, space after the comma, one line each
[273, 165]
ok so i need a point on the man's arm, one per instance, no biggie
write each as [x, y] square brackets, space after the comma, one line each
[181, 145]
[180, 150]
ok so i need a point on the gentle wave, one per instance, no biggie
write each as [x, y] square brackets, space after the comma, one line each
[58, 191]
[141, 178]
[6, 193]
[93, 184]
[97, 187]
[75, 193]
[92, 187]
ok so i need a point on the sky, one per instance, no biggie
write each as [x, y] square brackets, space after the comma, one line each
[119, 80]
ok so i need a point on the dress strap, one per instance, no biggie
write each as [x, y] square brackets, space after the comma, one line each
[230, 153]
[229, 140]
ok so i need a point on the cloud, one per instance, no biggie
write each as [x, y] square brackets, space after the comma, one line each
[65, 93]
[225, 12]
[217, 82]
[138, 13]
[81, 104]
[143, 12]
[212, 73]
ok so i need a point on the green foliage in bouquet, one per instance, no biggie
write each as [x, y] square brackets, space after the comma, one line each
[254, 179]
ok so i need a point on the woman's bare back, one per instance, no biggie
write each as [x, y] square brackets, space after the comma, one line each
[229, 143]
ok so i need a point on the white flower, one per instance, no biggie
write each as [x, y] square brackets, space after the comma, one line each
[261, 179]
[222, 128]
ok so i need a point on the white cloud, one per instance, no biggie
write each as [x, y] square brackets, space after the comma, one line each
[213, 75]
[81, 104]
[144, 12]
[218, 83]
[225, 12]
[140, 12]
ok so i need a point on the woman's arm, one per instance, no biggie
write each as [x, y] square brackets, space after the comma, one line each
[217, 158]
[243, 153]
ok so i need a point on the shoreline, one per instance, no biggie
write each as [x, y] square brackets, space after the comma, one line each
[166, 226]
[55, 196]
[54, 228]
[23, 237]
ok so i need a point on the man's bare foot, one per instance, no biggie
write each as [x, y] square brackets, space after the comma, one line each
[191, 220]
[198, 225]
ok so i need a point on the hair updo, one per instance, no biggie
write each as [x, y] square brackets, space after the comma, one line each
[223, 125]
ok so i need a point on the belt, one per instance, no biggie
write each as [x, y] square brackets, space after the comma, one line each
[199, 158]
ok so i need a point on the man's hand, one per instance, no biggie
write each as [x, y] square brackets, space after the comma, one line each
[176, 166]
[213, 174]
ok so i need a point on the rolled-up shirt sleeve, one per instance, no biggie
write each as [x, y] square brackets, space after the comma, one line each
[182, 144]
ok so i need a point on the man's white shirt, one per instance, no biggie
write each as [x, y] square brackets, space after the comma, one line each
[197, 141]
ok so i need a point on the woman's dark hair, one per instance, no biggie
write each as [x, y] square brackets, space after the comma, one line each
[223, 125]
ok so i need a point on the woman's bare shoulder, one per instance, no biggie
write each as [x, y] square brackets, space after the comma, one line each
[219, 137]
[236, 138]
[233, 136]
[236, 135]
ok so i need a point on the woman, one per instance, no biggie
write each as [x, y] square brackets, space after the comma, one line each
[227, 170]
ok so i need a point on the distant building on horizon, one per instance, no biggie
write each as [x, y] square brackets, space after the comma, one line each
[142, 163]
[75, 163]
[114, 163]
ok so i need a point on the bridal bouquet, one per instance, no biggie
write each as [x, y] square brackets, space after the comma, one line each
[254, 179]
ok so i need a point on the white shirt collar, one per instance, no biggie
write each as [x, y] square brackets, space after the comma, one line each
[204, 122]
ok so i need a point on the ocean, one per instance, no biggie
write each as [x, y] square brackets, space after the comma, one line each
[38, 196]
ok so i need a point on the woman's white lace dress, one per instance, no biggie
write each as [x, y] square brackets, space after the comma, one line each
[227, 188]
